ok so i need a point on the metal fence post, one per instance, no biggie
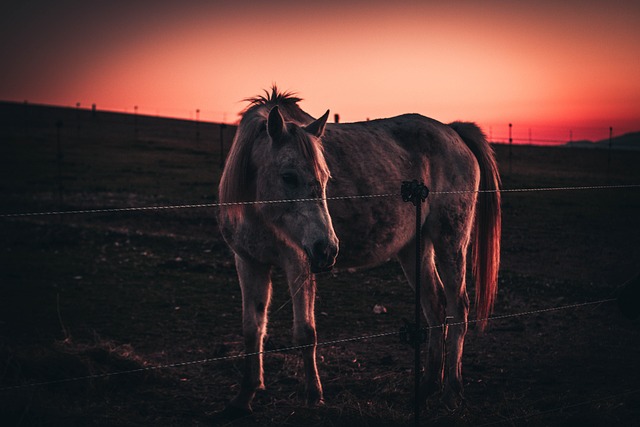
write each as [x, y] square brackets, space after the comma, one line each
[416, 192]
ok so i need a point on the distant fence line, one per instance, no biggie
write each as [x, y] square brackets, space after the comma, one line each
[507, 133]
[188, 114]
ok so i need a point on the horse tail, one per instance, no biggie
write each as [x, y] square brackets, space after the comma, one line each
[488, 222]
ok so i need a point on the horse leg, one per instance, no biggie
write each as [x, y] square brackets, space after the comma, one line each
[432, 300]
[453, 274]
[255, 282]
[451, 251]
[302, 286]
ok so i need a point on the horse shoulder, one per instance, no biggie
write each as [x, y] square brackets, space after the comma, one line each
[250, 238]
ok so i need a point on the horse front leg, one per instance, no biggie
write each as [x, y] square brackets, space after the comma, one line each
[255, 283]
[302, 286]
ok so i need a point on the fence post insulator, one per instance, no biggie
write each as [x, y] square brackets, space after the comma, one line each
[414, 192]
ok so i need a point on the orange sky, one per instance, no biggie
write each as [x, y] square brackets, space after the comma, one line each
[550, 67]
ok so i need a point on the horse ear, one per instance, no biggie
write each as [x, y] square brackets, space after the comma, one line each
[317, 128]
[275, 124]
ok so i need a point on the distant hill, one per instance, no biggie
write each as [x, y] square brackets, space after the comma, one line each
[628, 141]
[12, 112]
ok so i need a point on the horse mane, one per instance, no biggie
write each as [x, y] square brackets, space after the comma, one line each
[237, 182]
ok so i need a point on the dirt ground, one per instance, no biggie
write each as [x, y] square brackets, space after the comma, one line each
[134, 318]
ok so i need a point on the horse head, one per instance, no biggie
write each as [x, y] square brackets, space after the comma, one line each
[291, 166]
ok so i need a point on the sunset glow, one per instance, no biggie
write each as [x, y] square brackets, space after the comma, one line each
[549, 68]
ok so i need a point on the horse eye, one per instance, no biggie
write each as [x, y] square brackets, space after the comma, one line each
[290, 179]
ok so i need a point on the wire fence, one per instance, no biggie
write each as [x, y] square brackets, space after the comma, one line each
[301, 200]
[300, 347]
[184, 364]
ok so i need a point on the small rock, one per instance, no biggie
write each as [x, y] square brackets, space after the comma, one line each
[379, 309]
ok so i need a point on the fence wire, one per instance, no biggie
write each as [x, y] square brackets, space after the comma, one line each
[298, 347]
[324, 343]
[302, 200]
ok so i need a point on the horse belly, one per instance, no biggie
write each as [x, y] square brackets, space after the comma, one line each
[371, 232]
[375, 158]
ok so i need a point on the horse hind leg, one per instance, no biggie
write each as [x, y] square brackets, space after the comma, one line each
[453, 276]
[255, 283]
[451, 251]
[433, 302]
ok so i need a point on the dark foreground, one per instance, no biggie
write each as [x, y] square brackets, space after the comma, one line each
[102, 314]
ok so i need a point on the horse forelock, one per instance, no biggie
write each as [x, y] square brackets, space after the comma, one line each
[312, 151]
[274, 98]
[310, 147]
[237, 182]
[287, 102]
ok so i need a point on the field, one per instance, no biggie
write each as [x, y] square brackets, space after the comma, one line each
[88, 295]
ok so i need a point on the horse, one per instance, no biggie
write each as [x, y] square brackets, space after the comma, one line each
[281, 205]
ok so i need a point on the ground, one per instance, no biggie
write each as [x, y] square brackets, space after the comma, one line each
[133, 318]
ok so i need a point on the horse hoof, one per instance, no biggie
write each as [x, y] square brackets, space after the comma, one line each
[314, 398]
[428, 389]
[314, 402]
[453, 402]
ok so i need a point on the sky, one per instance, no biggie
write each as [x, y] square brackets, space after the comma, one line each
[553, 69]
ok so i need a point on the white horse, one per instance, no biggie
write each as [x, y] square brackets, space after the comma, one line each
[282, 153]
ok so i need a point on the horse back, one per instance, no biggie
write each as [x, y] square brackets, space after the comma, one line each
[374, 158]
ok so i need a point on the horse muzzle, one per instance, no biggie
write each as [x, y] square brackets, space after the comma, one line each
[322, 256]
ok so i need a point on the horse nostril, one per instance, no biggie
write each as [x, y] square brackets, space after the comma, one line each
[323, 251]
[321, 248]
[332, 252]
[322, 255]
